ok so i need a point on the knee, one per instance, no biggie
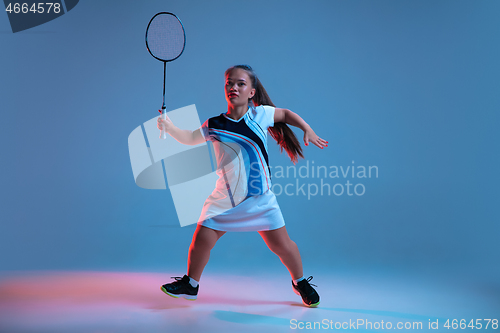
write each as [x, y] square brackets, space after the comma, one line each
[204, 239]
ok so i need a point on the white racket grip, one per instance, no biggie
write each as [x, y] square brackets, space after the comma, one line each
[163, 134]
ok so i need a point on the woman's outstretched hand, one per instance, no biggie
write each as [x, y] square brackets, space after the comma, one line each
[310, 136]
[164, 124]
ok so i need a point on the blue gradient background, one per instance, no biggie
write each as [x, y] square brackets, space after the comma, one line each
[409, 86]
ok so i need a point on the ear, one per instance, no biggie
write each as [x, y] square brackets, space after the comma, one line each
[252, 93]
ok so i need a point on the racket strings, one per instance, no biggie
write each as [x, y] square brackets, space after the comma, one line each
[165, 37]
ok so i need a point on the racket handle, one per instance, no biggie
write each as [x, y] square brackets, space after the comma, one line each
[163, 134]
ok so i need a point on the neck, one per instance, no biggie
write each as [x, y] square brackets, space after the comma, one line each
[236, 111]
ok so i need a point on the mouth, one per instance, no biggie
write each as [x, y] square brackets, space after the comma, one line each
[232, 95]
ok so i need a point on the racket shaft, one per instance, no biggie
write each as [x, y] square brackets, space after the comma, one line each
[163, 135]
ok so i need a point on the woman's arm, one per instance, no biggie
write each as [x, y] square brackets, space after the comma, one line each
[186, 137]
[291, 118]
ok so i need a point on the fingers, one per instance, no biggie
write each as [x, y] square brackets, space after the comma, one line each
[164, 121]
[320, 143]
[160, 124]
[311, 137]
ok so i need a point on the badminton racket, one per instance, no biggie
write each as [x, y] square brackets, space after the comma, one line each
[165, 40]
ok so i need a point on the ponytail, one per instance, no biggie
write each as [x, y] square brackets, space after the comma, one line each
[280, 132]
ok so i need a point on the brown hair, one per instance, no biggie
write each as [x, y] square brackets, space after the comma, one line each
[280, 132]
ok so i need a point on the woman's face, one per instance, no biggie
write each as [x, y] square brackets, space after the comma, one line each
[238, 87]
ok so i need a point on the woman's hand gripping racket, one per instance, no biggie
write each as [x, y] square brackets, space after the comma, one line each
[165, 40]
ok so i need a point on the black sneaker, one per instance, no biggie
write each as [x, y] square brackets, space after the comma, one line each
[309, 296]
[181, 287]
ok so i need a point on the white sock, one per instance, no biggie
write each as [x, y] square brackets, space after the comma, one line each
[193, 282]
[297, 281]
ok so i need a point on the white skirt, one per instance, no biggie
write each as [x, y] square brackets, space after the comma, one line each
[256, 213]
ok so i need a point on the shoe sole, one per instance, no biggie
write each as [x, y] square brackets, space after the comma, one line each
[308, 305]
[188, 297]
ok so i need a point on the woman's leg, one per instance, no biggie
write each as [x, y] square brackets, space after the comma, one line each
[280, 243]
[203, 241]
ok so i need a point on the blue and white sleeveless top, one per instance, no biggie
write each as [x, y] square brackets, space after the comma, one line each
[240, 148]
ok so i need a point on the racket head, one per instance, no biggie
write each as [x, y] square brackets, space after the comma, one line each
[165, 37]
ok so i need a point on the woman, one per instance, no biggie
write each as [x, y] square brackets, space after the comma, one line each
[242, 199]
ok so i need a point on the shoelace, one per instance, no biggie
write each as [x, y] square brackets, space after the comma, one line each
[177, 278]
[309, 279]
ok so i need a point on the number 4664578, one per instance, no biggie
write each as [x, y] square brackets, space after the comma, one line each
[478, 324]
[36, 8]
